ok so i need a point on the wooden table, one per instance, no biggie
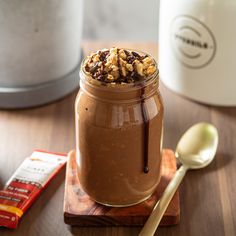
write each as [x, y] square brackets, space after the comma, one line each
[208, 196]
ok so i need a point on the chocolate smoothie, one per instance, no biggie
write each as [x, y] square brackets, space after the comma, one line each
[119, 115]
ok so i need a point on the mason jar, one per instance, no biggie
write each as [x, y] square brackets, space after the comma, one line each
[119, 139]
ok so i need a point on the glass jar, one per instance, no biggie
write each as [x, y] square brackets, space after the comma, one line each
[119, 139]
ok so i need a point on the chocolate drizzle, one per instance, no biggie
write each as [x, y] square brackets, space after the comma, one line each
[146, 131]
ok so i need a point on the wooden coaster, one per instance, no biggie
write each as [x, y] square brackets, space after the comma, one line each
[80, 210]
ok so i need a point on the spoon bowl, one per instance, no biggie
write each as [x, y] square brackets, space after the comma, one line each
[197, 147]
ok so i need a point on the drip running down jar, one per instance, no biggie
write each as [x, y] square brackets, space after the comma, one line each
[118, 135]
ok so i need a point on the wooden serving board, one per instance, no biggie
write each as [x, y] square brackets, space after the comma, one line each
[80, 210]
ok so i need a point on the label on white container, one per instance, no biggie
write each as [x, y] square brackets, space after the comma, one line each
[193, 43]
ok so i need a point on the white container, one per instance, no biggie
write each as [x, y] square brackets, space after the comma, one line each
[197, 52]
[40, 50]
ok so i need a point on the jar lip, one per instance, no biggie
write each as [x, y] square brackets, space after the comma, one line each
[87, 78]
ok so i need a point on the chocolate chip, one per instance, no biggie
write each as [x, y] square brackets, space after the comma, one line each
[103, 72]
[103, 55]
[135, 54]
[136, 76]
[87, 68]
[121, 79]
[101, 77]
[130, 59]
[126, 53]
[118, 64]
[94, 68]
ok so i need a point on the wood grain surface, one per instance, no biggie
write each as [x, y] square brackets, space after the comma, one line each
[207, 196]
[81, 210]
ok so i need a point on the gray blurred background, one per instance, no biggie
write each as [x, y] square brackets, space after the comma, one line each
[133, 20]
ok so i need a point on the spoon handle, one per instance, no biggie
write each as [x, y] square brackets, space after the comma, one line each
[160, 207]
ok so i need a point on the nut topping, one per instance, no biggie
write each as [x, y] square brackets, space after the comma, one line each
[119, 66]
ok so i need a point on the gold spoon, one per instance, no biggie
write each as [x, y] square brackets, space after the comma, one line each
[195, 150]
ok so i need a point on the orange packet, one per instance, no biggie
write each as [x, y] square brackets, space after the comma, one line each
[25, 185]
